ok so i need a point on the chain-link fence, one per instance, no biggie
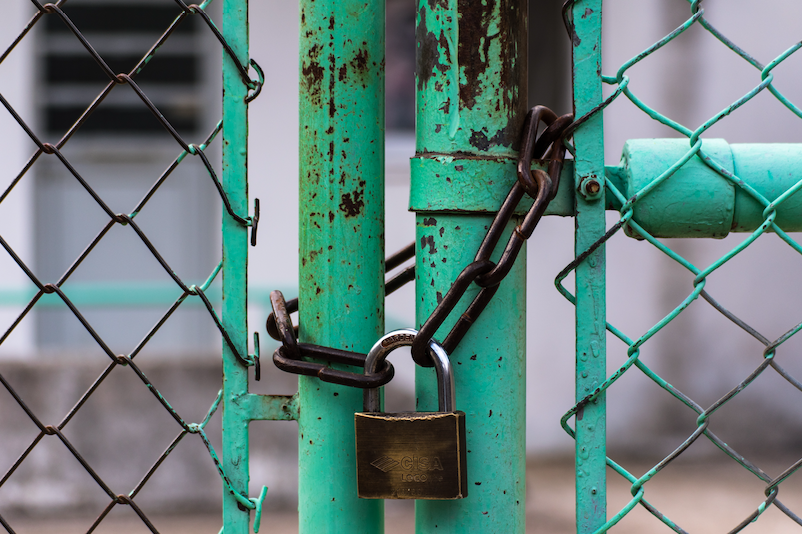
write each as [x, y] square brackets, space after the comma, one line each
[78, 23]
[775, 211]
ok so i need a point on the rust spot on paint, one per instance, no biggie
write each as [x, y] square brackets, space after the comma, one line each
[312, 74]
[428, 240]
[479, 25]
[430, 221]
[360, 61]
[352, 205]
[427, 52]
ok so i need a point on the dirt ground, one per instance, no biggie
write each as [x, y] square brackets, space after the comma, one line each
[700, 498]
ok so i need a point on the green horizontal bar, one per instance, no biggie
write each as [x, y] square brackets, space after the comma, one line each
[270, 407]
[730, 190]
[727, 192]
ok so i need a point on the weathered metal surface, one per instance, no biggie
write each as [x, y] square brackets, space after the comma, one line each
[271, 407]
[591, 500]
[462, 184]
[471, 76]
[471, 104]
[341, 243]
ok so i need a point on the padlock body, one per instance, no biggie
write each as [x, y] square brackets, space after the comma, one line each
[411, 455]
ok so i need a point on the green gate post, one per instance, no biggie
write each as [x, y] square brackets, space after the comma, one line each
[235, 417]
[591, 499]
[471, 103]
[341, 244]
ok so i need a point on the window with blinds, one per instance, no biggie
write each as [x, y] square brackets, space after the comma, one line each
[122, 32]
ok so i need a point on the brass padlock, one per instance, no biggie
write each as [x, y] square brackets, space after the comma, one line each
[410, 455]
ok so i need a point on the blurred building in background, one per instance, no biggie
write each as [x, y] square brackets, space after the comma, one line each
[48, 219]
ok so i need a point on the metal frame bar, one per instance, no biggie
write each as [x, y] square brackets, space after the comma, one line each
[471, 105]
[341, 293]
[235, 457]
[591, 497]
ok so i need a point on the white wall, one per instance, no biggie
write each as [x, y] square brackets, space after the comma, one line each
[16, 224]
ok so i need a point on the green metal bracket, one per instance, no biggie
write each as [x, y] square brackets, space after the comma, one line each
[270, 407]
[696, 201]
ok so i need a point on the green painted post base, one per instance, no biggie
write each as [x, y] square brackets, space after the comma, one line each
[490, 373]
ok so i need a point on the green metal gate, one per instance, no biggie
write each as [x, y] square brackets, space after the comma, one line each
[471, 106]
[692, 187]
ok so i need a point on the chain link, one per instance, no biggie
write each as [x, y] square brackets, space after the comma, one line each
[540, 185]
[484, 272]
[288, 356]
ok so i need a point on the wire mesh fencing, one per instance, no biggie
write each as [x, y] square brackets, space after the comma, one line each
[702, 149]
[72, 21]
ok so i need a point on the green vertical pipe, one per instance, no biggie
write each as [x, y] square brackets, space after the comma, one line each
[235, 265]
[591, 498]
[341, 244]
[471, 103]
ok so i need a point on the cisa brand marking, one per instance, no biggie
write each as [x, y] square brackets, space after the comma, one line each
[385, 463]
[408, 463]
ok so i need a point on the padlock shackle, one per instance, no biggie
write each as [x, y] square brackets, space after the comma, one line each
[446, 397]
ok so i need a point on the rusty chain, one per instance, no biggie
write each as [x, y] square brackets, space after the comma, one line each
[538, 184]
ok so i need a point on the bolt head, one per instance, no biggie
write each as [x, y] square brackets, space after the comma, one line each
[590, 188]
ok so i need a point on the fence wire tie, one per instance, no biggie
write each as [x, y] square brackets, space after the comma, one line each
[246, 360]
[253, 222]
[255, 85]
[250, 503]
[242, 500]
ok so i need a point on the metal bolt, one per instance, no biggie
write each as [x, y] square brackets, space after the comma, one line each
[590, 188]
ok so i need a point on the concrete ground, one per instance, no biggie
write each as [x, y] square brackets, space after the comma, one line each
[699, 497]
